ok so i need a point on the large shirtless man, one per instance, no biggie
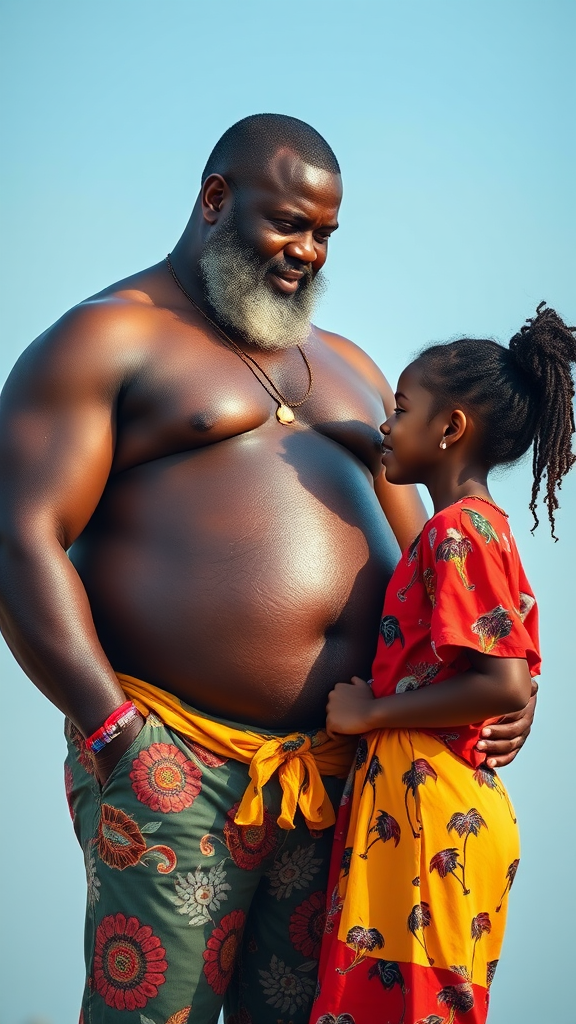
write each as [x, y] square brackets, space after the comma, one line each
[225, 568]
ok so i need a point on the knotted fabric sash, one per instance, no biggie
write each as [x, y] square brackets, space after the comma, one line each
[299, 758]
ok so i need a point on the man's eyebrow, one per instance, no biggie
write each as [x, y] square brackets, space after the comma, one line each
[301, 219]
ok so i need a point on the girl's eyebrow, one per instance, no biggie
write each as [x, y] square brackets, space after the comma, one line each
[399, 394]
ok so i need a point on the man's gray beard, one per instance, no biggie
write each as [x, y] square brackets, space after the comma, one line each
[236, 288]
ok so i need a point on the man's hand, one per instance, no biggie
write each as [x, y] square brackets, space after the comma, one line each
[502, 741]
[106, 759]
[348, 708]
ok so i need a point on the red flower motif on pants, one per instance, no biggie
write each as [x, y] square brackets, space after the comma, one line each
[164, 779]
[249, 844]
[307, 925]
[129, 964]
[221, 949]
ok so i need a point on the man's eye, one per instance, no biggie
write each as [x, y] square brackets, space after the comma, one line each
[284, 226]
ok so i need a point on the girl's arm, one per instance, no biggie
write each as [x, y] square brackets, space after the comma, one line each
[492, 687]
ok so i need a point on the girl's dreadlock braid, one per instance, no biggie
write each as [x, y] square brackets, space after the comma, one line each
[545, 349]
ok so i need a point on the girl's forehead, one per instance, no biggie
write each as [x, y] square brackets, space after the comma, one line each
[409, 379]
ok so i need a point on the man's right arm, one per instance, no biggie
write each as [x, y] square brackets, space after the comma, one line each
[57, 436]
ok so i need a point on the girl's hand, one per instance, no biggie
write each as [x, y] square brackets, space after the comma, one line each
[348, 709]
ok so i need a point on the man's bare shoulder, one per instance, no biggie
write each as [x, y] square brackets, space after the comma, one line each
[106, 332]
[96, 345]
[360, 360]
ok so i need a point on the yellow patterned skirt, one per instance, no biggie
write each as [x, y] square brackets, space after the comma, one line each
[425, 853]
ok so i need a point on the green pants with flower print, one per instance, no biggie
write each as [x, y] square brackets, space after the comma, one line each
[187, 911]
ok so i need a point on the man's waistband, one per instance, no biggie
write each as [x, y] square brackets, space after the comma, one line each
[299, 758]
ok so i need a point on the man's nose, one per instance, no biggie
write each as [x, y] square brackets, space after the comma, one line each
[302, 248]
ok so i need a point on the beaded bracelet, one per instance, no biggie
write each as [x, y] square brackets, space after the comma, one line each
[113, 726]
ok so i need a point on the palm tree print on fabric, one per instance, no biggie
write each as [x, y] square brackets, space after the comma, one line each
[346, 861]
[390, 630]
[481, 925]
[492, 627]
[420, 674]
[401, 594]
[486, 776]
[413, 550]
[510, 876]
[456, 548]
[361, 753]
[432, 1018]
[374, 770]
[446, 862]
[385, 827]
[419, 919]
[458, 999]
[419, 771]
[334, 907]
[466, 825]
[389, 973]
[430, 580]
[482, 526]
[362, 941]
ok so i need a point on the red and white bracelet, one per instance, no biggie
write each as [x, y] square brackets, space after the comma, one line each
[113, 726]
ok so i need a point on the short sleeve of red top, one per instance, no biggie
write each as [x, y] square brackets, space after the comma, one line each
[459, 586]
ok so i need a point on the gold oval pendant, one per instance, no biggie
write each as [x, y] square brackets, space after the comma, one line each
[284, 414]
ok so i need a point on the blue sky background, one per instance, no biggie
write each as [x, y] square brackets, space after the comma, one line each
[454, 124]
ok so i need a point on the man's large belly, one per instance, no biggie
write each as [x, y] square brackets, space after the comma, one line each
[246, 577]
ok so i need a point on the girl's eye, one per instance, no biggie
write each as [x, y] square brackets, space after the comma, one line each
[397, 410]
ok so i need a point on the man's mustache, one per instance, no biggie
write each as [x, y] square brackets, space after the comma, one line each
[281, 267]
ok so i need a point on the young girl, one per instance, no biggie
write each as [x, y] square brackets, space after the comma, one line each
[426, 845]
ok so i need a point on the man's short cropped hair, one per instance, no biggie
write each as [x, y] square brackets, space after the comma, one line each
[250, 143]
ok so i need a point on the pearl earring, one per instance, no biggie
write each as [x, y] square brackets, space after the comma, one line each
[443, 444]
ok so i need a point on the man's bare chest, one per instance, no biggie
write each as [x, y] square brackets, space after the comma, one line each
[186, 397]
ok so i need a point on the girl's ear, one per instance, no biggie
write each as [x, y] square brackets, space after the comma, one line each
[455, 428]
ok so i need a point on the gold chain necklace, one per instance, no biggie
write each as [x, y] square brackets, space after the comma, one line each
[284, 413]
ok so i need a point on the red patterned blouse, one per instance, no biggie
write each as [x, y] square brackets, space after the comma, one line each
[459, 585]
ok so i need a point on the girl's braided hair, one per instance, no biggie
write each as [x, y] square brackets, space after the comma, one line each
[521, 395]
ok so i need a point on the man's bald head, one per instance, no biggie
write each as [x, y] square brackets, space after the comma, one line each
[251, 143]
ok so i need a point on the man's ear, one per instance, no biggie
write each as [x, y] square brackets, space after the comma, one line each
[215, 193]
[455, 427]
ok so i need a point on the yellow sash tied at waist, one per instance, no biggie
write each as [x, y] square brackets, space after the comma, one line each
[299, 758]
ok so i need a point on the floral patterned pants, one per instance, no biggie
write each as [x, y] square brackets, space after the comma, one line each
[187, 911]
